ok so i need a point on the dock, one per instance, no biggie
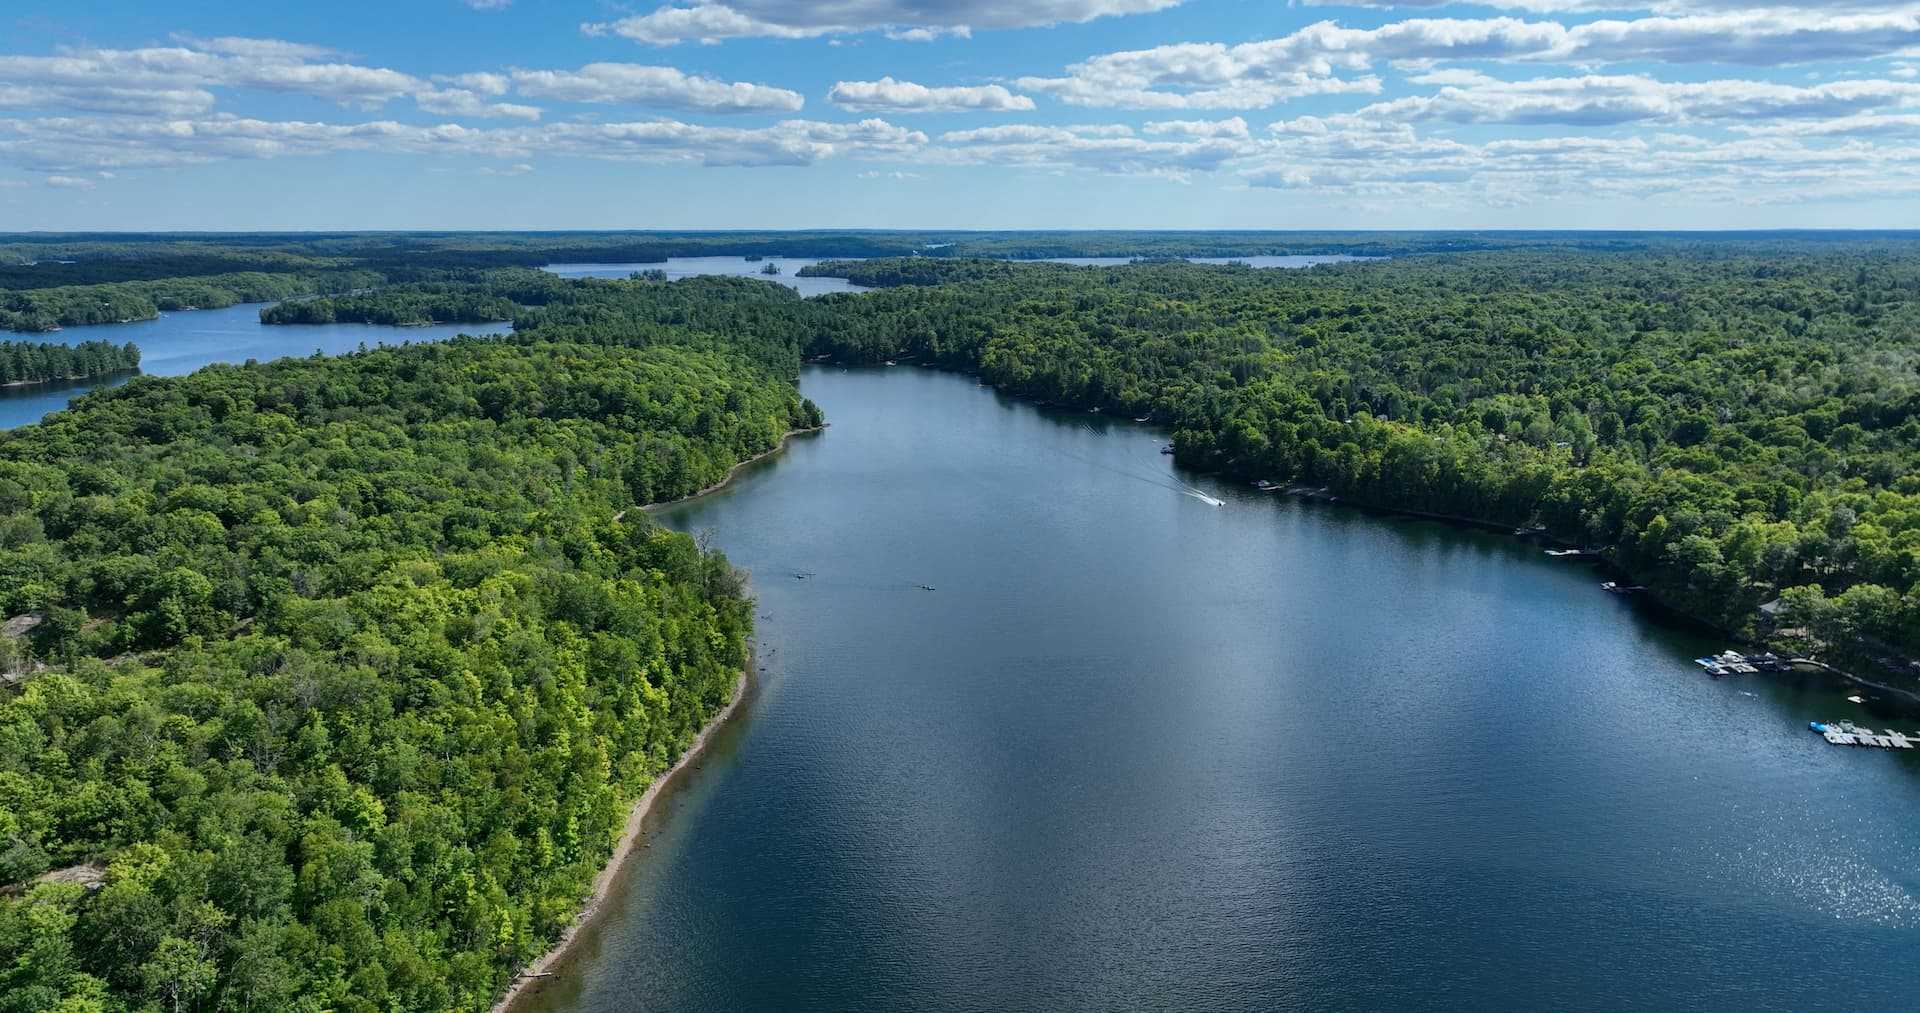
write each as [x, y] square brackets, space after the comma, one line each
[1735, 663]
[1846, 733]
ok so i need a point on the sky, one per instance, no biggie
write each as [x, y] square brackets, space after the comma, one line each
[993, 114]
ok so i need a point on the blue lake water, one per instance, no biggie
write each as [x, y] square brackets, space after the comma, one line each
[179, 343]
[1140, 752]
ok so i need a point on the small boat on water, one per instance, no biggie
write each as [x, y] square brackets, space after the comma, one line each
[926, 587]
[1168, 449]
[1144, 419]
[1616, 588]
[1267, 485]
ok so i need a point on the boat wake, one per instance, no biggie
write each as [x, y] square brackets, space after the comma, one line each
[1163, 481]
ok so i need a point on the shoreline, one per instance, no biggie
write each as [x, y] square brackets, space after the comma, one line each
[726, 479]
[528, 978]
[1302, 492]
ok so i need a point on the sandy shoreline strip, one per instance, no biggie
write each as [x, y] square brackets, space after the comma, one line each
[735, 470]
[532, 974]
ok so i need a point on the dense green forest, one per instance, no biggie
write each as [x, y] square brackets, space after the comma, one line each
[44, 309]
[346, 670]
[41, 361]
[54, 280]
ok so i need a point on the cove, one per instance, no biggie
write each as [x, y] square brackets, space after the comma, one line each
[177, 343]
[1137, 751]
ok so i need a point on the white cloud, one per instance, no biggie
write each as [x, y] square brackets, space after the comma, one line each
[1234, 127]
[481, 83]
[175, 79]
[889, 95]
[70, 182]
[489, 5]
[66, 145]
[916, 20]
[461, 102]
[638, 84]
[1597, 100]
[1107, 148]
[263, 49]
[1350, 157]
[1311, 60]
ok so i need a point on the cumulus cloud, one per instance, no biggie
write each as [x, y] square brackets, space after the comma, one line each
[461, 102]
[638, 84]
[110, 79]
[1350, 157]
[174, 81]
[68, 144]
[916, 20]
[1312, 60]
[889, 95]
[70, 182]
[1107, 148]
[1234, 127]
[1597, 100]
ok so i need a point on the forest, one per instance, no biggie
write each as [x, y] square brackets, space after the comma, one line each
[346, 670]
[337, 675]
[47, 309]
[43, 361]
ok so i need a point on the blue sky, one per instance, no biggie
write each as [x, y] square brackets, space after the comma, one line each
[959, 113]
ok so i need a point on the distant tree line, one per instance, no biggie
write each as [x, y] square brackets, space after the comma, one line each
[39, 362]
[46, 309]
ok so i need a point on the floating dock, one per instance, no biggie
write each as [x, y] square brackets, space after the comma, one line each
[1846, 733]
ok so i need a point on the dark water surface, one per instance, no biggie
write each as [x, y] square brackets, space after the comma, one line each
[178, 343]
[1139, 752]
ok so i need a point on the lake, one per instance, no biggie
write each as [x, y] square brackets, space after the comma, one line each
[1137, 751]
[689, 267]
[179, 343]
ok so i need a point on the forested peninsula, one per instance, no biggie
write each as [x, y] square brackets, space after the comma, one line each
[330, 680]
[339, 675]
[24, 362]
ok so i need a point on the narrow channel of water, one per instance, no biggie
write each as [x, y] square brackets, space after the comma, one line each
[179, 343]
[1139, 752]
